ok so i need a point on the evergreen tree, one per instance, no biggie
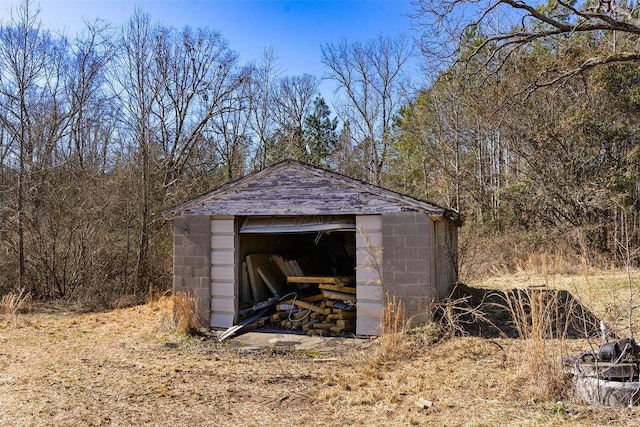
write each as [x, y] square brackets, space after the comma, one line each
[320, 134]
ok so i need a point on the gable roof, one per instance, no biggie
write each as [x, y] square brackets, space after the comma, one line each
[294, 188]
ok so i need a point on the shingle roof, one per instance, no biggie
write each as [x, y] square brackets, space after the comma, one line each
[294, 188]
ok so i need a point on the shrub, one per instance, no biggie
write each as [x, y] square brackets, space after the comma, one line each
[185, 312]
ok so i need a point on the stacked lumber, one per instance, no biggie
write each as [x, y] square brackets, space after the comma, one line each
[329, 312]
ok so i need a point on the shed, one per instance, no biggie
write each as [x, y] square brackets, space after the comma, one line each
[332, 225]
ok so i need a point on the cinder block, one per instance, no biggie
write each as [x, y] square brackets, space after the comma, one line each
[406, 253]
[181, 251]
[396, 264]
[403, 278]
[417, 266]
[198, 240]
[424, 229]
[190, 283]
[199, 229]
[202, 294]
[422, 219]
[415, 305]
[196, 261]
[395, 290]
[221, 320]
[418, 291]
[416, 241]
[367, 275]
[200, 272]
[177, 283]
[405, 229]
[223, 257]
[423, 253]
[200, 251]
[390, 241]
[399, 218]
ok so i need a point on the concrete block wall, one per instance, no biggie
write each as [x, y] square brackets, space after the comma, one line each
[191, 261]
[408, 261]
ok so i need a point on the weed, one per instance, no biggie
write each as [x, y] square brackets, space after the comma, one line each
[542, 319]
[185, 312]
[393, 331]
[12, 303]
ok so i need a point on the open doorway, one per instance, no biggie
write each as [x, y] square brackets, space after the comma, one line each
[302, 269]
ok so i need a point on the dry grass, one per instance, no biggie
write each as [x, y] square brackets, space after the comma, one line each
[391, 341]
[539, 316]
[12, 303]
[123, 367]
[186, 319]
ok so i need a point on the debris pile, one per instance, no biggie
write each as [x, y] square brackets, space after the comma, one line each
[326, 306]
[608, 376]
[277, 293]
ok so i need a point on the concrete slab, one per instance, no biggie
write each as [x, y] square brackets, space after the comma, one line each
[331, 345]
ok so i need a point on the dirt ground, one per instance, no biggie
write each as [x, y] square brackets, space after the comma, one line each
[127, 367]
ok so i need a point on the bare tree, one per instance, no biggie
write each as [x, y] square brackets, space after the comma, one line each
[136, 88]
[484, 34]
[230, 132]
[371, 76]
[32, 117]
[197, 78]
[261, 97]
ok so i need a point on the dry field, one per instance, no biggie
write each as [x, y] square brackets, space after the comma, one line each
[127, 367]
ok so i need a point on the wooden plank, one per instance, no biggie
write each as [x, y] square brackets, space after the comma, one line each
[282, 265]
[237, 328]
[259, 288]
[300, 315]
[334, 280]
[272, 277]
[330, 287]
[345, 323]
[343, 315]
[312, 298]
[295, 268]
[247, 293]
[340, 296]
[309, 306]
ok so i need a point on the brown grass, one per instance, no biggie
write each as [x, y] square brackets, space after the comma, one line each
[123, 367]
[539, 316]
[12, 303]
[391, 341]
[185, 313]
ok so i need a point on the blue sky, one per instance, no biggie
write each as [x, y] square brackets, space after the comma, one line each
[295, 29]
